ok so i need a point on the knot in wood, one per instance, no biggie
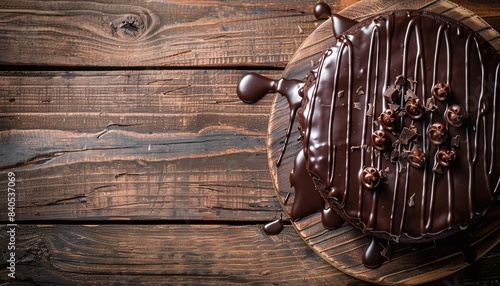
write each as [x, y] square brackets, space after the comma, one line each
[37, 253]
[128, 27]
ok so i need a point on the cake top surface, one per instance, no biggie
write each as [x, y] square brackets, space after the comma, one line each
[399, 125]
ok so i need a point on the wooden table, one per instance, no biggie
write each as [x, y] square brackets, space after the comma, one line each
[134, 160]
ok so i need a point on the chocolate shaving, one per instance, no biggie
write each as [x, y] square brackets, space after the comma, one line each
[382, 174]
[286, 198]
[415, 147]
[387, 170]
[402, 113]
[393, 107]
[340, 94]
[412, 83]
[386, 252]
[455, 141]
[360, 91]
[404, 154]
[437, 168]
[411, 201]
[402, 168]
[394, 155]
[430, 105]
[369, 112]
[391, 94]
[357, 105]
[387, 155]
[407, 135]
[413, 128]
[410, 94]
[400, 80]
[300, 30]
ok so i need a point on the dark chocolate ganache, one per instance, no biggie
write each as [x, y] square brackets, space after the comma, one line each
[399, 126]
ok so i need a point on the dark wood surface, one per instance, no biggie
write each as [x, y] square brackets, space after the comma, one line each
[135, 161]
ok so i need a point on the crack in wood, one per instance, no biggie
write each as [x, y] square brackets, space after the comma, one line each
[126, 174]
[114, 126]
[176, 89]
[178, 53]
[45, 158]
[75, 199]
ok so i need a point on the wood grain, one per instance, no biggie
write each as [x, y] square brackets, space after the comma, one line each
[344, 247]
[182, 254]
[161, 33]
[153, 33]
[140, 100]
[168, 145]
[166, 254]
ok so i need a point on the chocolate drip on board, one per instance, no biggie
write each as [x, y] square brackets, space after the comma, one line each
[331, 219]
[252, 87]
[274, 227]
[307, 200]
[376, 253]
[340, 24]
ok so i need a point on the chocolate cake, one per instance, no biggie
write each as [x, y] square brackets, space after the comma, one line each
[398, 124]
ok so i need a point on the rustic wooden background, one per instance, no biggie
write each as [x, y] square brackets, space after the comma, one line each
[135, 161]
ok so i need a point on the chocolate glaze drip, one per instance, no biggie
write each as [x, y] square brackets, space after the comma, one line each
[307, 199]
[252, 87]
[275, 227]
[322, 11]
[376, 253]
[340, 24]
[331, 219]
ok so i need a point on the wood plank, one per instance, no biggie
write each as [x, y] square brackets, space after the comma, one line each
[183, 254]
[158, 254]
[153, 33]
[148, 100]
[170, 145]
[164, 33]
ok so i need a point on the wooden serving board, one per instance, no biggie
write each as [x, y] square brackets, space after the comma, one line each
[344, 247]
